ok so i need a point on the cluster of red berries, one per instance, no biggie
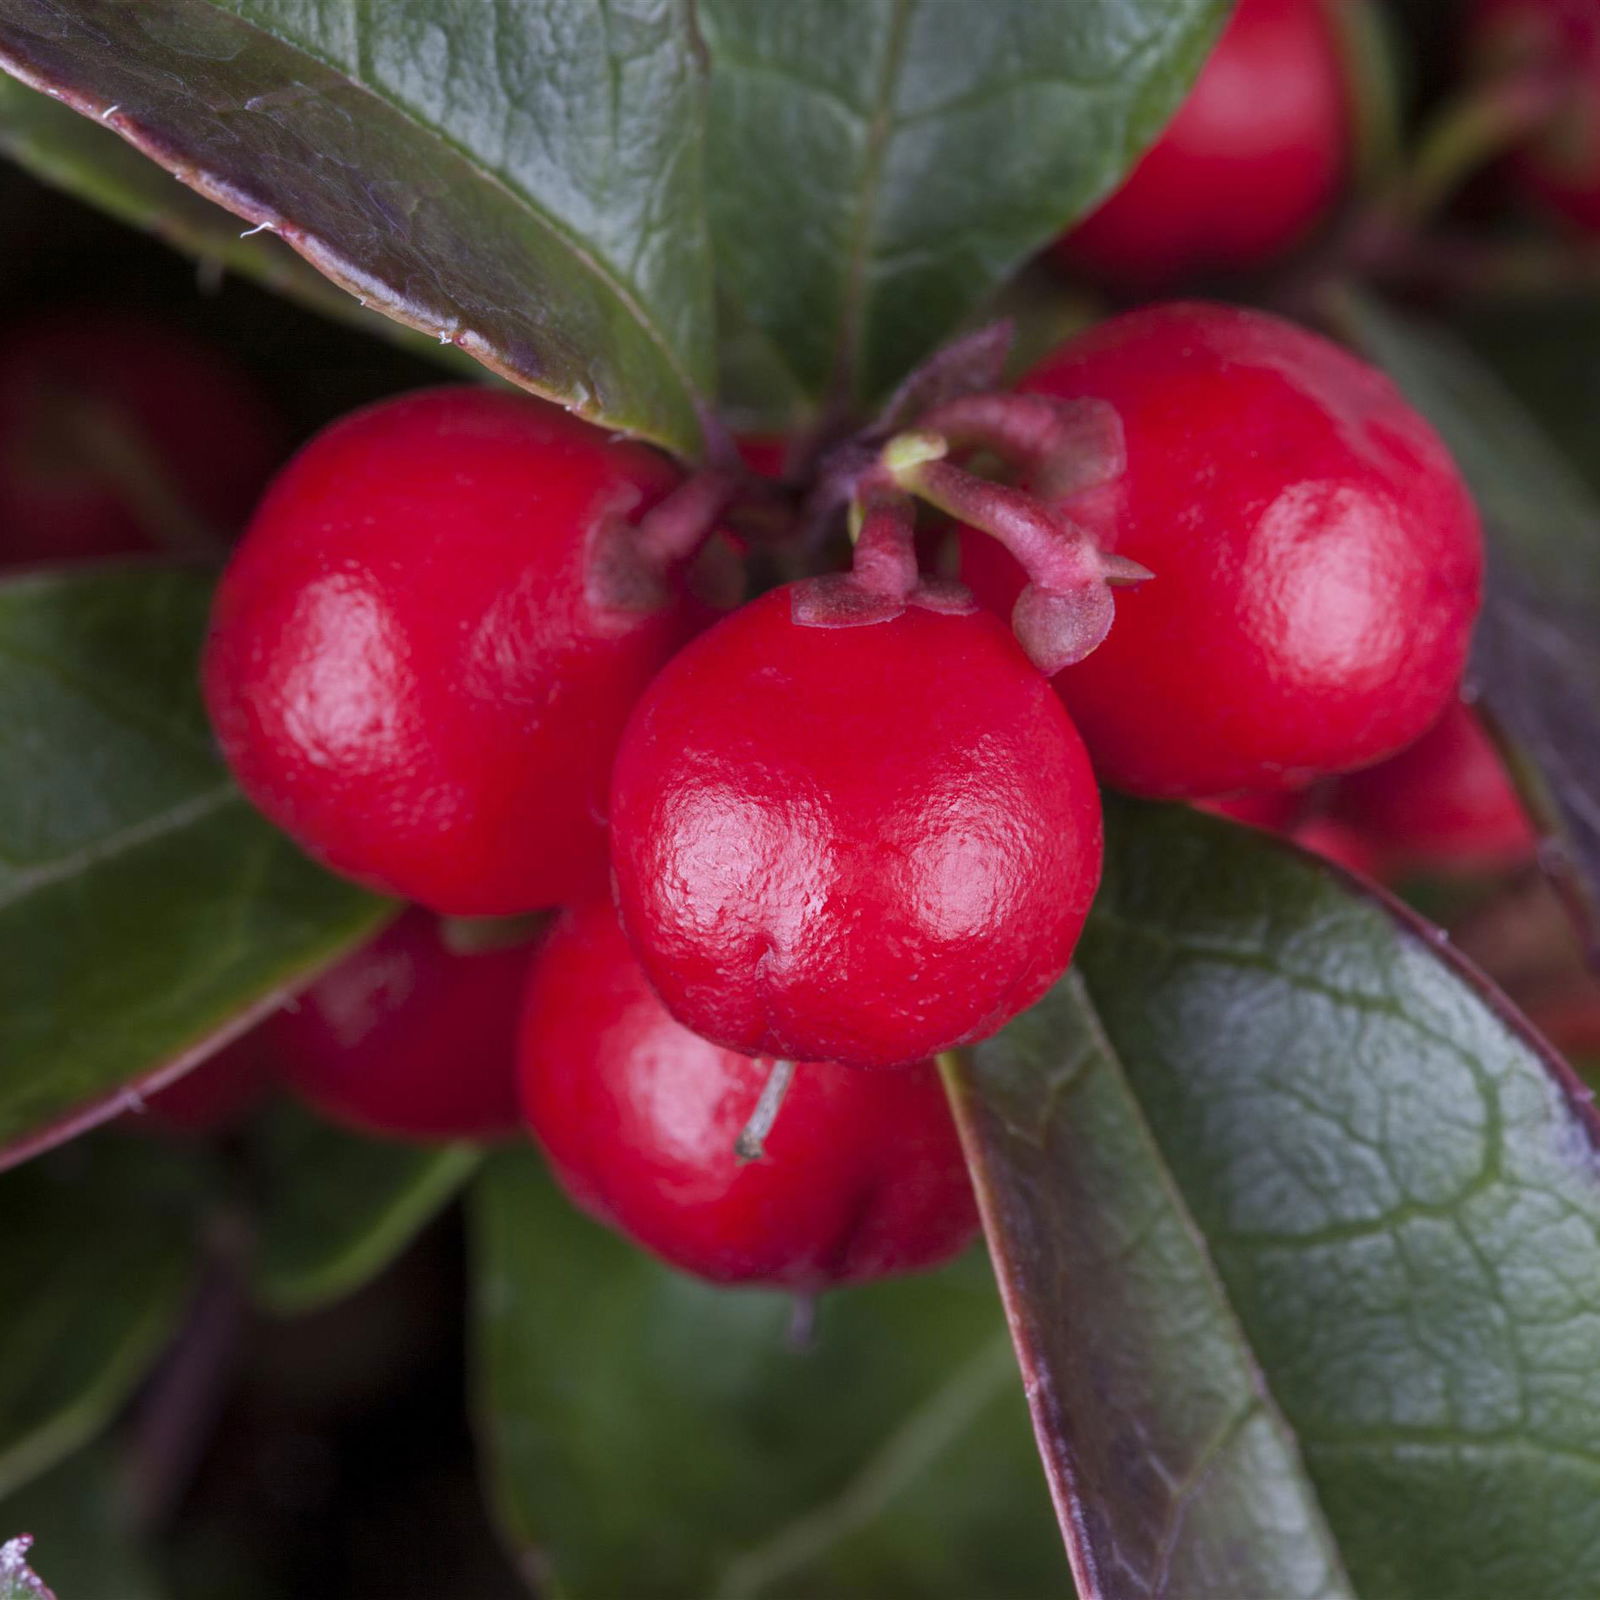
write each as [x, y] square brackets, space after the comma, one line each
[465, 656]
[849, 824]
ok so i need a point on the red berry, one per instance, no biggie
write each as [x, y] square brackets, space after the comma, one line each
[1253, 160]
[861, 844]
[862, 1175]
[1273, 812]
[1560, 166]
[1444, 803]
[218, 1094]
[119, 435]
[408, 1039]
[1316, 555]
[415, 666]
[1338, 842]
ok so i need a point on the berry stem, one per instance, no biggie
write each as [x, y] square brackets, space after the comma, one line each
[801, 1333]
[1471, 131]
[751, 1143]
[1062, 446]
[671, 532]
[1054, 551]
[1467, 133]
[883, 522]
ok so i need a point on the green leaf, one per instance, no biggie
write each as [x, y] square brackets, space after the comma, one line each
[146, 911]
[522, 179]
[97, 1249]
[1301, 1237]
[1536, 655]
[75, 1516]
[336, 1209]
[89, 161]
[876, 171]
[648, 1435]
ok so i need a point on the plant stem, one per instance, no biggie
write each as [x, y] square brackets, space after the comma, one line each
[751, 1143]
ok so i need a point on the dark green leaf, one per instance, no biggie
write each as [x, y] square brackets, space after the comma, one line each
[1301, 1235]
[522, 179]
[337, 1209]
[75, 1516]
[1537, 651]
[648, 1435]
[876, 171]
[96, 1252]
[145, 909]
[90, 162]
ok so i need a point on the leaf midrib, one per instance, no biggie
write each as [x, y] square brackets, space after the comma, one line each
[147, 830]
[853, 304]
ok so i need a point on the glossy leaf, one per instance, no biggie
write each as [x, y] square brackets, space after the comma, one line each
[336, 1209]
[76, 1518]
[87, 160]
[1536, 656]
[1301, 1236]
[648, 1435]
[146, 911]
[523, 179]
[97, 1247]
[876, 171]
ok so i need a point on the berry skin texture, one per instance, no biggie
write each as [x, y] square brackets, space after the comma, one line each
[862, 1176]
[406, 1039]
[859, 844]
[1254, 159]
[1446, 803]
[103, 417]
[409, 670]
[1317, 558]
[1559, 168]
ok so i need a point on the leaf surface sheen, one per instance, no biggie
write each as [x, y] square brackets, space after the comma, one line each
[1300, 1231]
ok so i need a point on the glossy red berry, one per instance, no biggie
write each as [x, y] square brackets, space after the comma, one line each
[862, 844]
[425, 649]
[408, 1039]
[1253, 160]
[119, 435]
[862, 1175]
[1317, 557]
[1559, 166]
[1444, 803]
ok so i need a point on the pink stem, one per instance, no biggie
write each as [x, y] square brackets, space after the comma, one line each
[672, 531]
[886, 555]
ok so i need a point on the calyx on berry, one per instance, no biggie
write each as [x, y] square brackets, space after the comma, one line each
[1318, 557]
[1059, 448]
[425, 648]
[864, 836]
[862, 1175]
